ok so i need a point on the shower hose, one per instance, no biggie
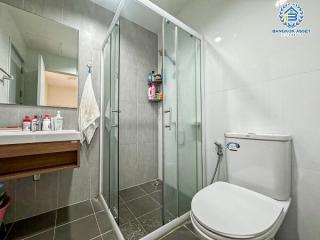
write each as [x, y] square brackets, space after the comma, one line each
[220, 155]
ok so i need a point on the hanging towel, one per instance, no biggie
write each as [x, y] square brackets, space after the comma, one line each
[88, 112]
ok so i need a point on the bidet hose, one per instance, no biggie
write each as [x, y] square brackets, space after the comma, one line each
[220, 155]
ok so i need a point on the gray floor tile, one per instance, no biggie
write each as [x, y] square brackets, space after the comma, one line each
[97, 205]
[42, 236]
[151, 221]
[132, 230]
[73, 212]
[190, 227]
[125, 214]
[83, 229]
[104, 222]
[157, 196]
[182, 233]
[152, 186]
[131, 193]
[32, 226]
[109, 236]
[142, 205]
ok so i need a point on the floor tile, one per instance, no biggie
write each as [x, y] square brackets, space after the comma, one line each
[142, 205]
[132, 230]
[97, 205]
[97, 238]
[42, 236]
[190, 227]
[109, 236]
[31, 226]
[124, 214]
[182, 233]
[83, 229]
[157, 196]
[104, 222]
[131, 193]
[152, 186]
[73, 212]
[151, 221]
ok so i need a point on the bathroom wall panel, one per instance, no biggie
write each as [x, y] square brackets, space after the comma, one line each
[72, 185]
[138, 118]
[258, 82]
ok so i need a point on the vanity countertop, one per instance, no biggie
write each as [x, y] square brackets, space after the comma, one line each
[21, 137]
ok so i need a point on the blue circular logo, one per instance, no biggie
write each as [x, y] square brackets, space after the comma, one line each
[291, 15]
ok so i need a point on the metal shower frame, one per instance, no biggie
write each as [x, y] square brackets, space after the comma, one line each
[148, 4]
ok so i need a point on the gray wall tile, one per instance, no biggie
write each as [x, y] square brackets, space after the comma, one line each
[15, 3]
[46, 193]
[138, 118]
[25, 198]
[128, 165]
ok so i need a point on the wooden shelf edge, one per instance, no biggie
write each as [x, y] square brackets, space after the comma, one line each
[38, 171]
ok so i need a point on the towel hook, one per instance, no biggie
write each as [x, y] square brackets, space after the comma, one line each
[89, 65]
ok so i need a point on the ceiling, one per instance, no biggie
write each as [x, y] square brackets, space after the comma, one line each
[141, 15]
[171, 6]
[45, 35]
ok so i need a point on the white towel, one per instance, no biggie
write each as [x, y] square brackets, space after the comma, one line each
[88, 112]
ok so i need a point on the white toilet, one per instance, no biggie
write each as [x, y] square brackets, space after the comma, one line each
[254, 202]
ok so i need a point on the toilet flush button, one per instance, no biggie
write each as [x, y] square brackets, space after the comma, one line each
[233, 146]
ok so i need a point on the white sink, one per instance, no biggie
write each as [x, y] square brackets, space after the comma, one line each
[20, 137]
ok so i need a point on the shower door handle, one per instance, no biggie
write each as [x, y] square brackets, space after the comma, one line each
[116, 111]
[170, 118]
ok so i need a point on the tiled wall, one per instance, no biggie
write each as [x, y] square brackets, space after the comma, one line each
[138, 118]
[59, 189]
[259, 82]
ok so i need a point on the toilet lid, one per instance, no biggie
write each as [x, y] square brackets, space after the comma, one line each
[235, 212]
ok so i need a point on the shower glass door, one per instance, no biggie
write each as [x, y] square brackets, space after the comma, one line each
[170, 151]
[110, 188]
[182, 120]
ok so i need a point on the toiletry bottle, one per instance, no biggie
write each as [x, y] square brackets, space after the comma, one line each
[26, 124]
[58, 123]
[46, 123]
[149, 93]
[34, 123]
[153, 91]
[39, 123]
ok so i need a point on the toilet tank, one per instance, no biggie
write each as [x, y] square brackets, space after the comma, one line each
[261, 163]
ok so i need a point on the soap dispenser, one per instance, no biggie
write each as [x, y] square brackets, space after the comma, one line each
[58, 121]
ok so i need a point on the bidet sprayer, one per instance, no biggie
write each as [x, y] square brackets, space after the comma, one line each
[219, 149]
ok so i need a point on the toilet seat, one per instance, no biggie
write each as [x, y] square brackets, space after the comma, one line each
[234, 212]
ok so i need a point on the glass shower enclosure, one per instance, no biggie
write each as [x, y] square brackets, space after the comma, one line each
[110, 122]
[182, 158]
[181, 114]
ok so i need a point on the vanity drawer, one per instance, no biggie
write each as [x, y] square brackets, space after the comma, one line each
[21, 160]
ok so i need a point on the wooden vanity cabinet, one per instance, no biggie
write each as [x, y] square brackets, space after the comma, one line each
[22, 160]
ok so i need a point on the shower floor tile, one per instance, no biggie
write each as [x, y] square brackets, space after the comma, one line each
[140, 211]
[142, 206]
[131, 193]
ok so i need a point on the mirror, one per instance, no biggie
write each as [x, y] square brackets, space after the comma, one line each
[38, 60]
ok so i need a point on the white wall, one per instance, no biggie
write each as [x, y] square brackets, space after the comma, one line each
[259, 82]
